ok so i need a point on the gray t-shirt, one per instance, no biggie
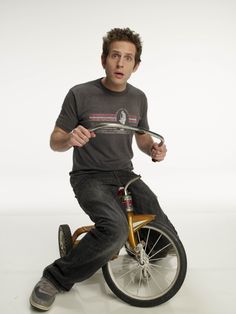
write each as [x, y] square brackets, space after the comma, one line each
[91, 103]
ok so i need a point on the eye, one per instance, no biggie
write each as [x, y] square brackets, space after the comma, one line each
[129, 58]
[115, 55]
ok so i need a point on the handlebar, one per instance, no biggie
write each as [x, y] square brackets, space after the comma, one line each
[127, 127]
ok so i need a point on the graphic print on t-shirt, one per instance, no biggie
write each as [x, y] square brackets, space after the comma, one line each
[121, 117]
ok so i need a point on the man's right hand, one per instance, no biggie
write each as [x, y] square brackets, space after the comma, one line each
[80, 136]
[61, 140]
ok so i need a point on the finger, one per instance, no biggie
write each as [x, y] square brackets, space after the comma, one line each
[83, 131]
[158, 155]
[157, 152]
[92, 134]
[77, 141]
[78, 137]
[161, 150]
[155, 146]
[158, 158]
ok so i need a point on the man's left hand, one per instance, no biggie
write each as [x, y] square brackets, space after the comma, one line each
[158, 153]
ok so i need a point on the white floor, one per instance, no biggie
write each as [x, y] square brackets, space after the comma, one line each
[28, 241]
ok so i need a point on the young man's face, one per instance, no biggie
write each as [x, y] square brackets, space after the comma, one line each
[119, 65]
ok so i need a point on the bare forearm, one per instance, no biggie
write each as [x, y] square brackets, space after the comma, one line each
[144, 142]
[147, 145]
[60, 141]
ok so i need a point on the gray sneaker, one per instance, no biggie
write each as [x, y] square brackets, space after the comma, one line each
[43, 295]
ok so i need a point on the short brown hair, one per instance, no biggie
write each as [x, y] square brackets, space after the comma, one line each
[122, 34]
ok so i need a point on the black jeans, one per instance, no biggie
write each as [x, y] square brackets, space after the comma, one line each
[96, 193]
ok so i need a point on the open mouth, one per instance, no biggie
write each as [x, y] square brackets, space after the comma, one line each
[119, 75]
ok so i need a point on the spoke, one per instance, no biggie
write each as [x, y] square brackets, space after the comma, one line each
[148, 283]
[128, 262]
[130, 251]
[156, 259]
[169, 258]
[162, 275]
[126, 273]
[162, 267]
[140, 282]
[138, 236]
[123, 259]
[131, 279]
[155, 282]
[124, 264]
[154, 269]
[158, 239]
[160, 250]
[147, 240]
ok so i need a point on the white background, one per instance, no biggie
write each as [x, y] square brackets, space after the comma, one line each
[187, 72]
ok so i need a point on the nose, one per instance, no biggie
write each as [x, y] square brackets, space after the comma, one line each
[120, 62]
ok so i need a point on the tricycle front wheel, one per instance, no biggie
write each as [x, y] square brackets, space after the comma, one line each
[151, 274]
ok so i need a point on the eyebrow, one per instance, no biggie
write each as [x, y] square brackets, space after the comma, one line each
[126, 53]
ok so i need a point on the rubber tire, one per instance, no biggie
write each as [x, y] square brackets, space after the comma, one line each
[169, 293]
[64, 240]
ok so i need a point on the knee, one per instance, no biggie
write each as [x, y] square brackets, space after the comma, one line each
[115, 231]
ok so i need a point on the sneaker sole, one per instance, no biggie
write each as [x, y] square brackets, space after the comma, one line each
[39, 306]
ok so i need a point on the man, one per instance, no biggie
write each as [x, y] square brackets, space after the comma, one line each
[102, 163]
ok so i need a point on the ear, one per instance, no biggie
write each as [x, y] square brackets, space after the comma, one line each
[136, 67]
[103, 61]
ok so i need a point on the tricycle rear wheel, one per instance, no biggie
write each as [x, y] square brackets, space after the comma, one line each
[64, 240]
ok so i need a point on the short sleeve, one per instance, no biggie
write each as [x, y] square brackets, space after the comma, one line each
[68, 117]
[143, 122]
